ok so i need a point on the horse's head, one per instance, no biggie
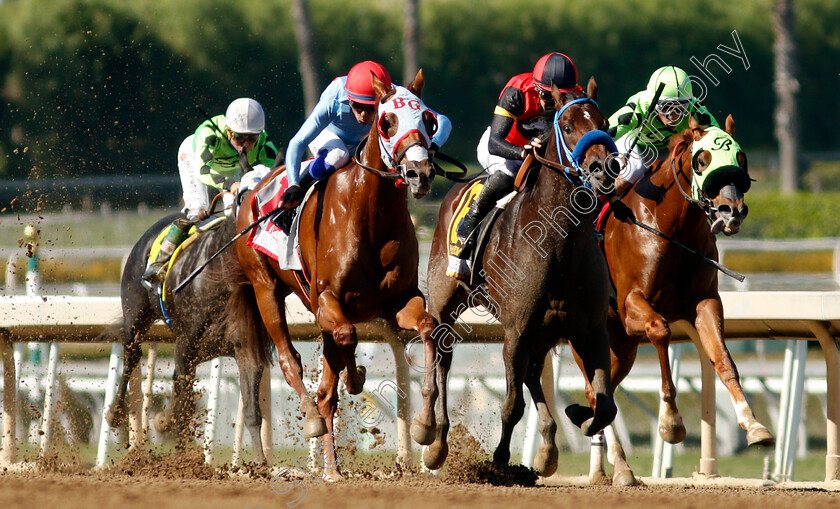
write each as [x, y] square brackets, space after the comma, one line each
[405, 127]
[719, 174]
[581, 130]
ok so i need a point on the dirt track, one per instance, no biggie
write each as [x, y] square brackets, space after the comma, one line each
[125, 491]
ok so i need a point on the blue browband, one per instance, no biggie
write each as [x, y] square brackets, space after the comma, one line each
[561, 140]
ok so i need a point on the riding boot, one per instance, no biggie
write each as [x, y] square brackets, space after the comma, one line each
[497, 186]
[156, 272]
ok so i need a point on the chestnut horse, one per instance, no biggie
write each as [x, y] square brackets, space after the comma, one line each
[543, 263]
[359, 244]
[657, 282]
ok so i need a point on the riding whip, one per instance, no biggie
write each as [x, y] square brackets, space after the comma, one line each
[719, 266]
[250, 227]
[646, 119]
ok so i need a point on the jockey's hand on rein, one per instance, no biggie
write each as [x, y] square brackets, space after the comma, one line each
[291, 197]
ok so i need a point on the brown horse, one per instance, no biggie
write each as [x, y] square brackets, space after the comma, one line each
[543, 263]
[657, 282]
[359, 244]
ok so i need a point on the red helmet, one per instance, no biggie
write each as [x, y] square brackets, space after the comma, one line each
[358, 85]
[556, 68]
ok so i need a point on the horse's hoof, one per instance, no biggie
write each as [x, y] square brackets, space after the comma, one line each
[672, 430]
[435, 455]
[314, 427]
[759, 435]
[579, 414]
[116, 416]
[599, 479]
[422, 434]
[333, 475]
[501, 456]
[625, 478]
[358, 383]
[545, 462]
[672, 434]
[163, 424]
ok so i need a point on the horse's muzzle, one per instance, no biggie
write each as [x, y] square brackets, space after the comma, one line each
[602, 173]
[730, 211]
[419, 179]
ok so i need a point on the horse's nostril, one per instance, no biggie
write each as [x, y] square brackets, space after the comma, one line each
[411, 174]
[724, 210]
[614, 167]
[595, 167]
[744, 210]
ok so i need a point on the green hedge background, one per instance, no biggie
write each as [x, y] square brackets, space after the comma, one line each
[93, 87]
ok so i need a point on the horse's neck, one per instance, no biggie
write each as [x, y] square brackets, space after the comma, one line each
[675, 211]
[378, 194]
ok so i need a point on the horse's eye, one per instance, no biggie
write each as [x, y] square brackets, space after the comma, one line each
[567, 129]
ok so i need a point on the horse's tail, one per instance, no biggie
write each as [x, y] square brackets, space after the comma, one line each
[245, 326]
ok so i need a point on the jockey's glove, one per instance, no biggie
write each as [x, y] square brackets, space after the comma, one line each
[291, 196]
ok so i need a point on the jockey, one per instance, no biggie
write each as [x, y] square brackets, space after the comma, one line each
[672, 110]
[522, 115]
[335, 127]
[208, 163]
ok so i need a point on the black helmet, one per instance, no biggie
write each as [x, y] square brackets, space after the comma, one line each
[556, 68]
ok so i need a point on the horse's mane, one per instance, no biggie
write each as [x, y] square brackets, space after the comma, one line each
[684, 137]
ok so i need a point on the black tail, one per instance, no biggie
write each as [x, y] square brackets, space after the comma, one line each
[245, 326]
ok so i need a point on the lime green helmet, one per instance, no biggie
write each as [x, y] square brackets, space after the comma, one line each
[677, 84]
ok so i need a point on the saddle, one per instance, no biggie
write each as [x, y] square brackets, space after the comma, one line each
[278, 238]
[211, 223]
[478, 239]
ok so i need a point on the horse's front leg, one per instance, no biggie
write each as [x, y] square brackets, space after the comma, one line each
[415, 317]
[331, 317]
[709, 325]
[641, 317]
[328, 404]
[591, 352]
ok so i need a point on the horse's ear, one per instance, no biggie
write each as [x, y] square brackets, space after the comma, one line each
[592, 88]
[697, 130]
[730, 125]
[416, 86]
[378, 87]
[557, 95]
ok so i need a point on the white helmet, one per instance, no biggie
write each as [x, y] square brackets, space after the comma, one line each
[245, 116]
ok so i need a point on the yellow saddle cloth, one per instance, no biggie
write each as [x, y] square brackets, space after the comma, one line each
[455, 246]
[210, 224]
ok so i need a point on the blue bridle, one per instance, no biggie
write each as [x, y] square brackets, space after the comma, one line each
[596, 137]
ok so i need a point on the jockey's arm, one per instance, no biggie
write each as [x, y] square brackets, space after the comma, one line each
[209, 145]
[319, 119]
[444, 128]
[511, 104]
[703, 116]
[627, 119]
[497, 144]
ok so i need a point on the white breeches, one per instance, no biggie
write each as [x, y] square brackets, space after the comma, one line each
[495, 163]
